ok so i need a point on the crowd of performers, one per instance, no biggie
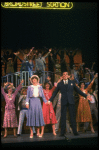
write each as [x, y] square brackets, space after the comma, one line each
[59, 99]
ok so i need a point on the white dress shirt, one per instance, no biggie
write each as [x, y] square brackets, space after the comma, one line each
[65, 81]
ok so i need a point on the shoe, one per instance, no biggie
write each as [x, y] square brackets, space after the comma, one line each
[5, 136]
[18, 134]
[76, 134]
[63, 135]
[54, 133]
[31, 136]
[40, 135]
[15, 136]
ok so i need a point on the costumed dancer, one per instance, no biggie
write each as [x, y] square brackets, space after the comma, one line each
[23, 110]
[48, 111]
[33, 103]
[83, 111]
[66, 88]
[10, 119]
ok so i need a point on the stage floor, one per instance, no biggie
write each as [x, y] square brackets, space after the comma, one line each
[87, 139]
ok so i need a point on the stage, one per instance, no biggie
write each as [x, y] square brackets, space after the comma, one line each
[87, 139]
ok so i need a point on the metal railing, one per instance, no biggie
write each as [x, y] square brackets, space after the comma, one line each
[16, 77]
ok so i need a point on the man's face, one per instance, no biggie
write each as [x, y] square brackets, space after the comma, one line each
[39, 55]
[65, 76]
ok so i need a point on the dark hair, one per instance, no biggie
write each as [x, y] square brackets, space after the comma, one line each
[35, 78]
[23, 89]
[81, 83]
[47, 83]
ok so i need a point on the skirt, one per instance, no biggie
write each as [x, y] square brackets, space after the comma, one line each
[34, 113]
[83, 111]
[49, 114]
[10, 119]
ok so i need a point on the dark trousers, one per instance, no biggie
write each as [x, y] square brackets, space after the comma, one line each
[71, 108]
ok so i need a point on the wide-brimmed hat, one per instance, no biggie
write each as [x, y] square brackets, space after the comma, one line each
[34, 76]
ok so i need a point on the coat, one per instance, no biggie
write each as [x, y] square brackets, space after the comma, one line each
[30, 93]
[67, 94]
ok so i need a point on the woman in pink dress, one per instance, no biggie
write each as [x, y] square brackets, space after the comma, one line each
[10, 119]
[48, 112]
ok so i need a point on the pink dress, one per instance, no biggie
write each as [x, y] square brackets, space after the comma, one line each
[10, 119]
[48, 112]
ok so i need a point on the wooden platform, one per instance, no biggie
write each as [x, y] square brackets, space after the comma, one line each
[87, 139]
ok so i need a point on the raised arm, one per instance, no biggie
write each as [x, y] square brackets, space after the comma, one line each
[30, 51]
[48, 53]
[90, 85]
[2, 91]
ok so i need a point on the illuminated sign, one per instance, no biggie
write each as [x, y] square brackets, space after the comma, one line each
[38, 5]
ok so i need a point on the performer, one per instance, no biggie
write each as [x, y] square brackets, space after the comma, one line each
[48, 112]
[40, 64]
[83, 112]
[93, 104]
[34, 113]
[23, 110]
[40, 61]
[10, 119]
[71, 57]
[66, 88]
[25, 66]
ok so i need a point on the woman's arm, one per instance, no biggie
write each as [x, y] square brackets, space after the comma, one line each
[90, 85]
[2, 91]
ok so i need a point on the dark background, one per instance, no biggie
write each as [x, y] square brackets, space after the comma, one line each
[75, 28]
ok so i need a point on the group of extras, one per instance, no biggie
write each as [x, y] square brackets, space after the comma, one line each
[29, 104]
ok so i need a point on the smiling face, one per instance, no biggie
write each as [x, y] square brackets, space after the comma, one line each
[47, 86]
[82, 85]
[10, 90]
[34, 81]
[25, 92]
[65, 75]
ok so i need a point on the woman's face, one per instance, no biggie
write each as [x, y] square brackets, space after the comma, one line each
[10, 90]
[82, 85]
[47, 86]
[34, 80]
[25, 92]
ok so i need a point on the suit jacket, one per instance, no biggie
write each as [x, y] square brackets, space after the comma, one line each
[30, 92]
[67, 92]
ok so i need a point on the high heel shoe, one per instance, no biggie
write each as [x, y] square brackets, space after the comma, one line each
[40, 135]
[54, 133]
[5, 136]
[31, 136]
[92, 130]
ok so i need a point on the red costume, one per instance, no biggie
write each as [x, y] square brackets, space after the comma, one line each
[48, 112]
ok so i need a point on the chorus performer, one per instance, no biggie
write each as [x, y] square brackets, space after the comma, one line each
[33, 103]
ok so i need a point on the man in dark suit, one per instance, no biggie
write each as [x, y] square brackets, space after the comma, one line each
[66, 88]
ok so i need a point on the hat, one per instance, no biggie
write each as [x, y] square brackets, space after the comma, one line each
[34, 76]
